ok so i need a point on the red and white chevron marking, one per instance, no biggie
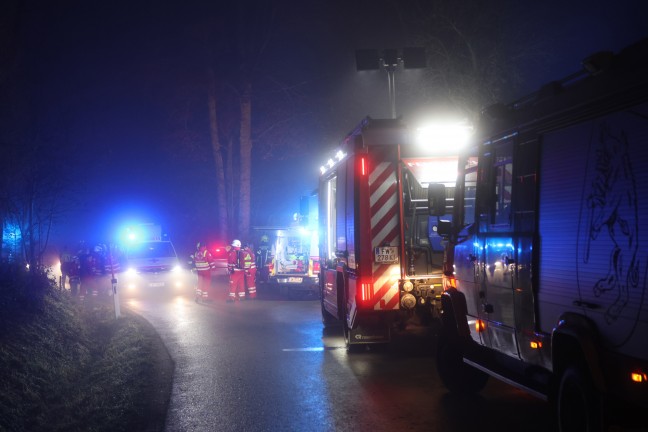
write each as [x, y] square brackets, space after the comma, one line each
[383, 201]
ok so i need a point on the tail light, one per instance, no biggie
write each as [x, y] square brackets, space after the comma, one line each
[366, 290]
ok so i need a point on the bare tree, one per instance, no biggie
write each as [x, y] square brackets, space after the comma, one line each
[218, 156]
[476, 51]
[35, 194]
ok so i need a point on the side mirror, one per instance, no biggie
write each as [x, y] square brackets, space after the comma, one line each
[436, 199]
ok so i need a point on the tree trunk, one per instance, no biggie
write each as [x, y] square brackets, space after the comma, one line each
[246, 161]
[218, 159]
[231, 175]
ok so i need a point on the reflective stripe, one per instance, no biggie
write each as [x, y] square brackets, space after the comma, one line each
[384, 228]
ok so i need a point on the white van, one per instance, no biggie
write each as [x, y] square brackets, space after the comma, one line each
[153, 264]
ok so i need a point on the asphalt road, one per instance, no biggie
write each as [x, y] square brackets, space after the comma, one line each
[267, 365]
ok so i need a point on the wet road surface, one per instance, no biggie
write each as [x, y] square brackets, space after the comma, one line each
[267, 365]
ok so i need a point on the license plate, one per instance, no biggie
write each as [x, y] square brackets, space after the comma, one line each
[156, 284]
[295, 280]
[386, 254]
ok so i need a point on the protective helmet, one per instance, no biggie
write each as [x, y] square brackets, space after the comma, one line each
[236, 243]
[264, 238]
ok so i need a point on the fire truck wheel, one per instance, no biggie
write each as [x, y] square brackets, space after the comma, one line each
[457, 376]
[578, 402]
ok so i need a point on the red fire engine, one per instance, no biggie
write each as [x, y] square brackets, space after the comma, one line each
[381, 259]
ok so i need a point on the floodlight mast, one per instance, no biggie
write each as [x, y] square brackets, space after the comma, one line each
[391, 84]
[389, 60]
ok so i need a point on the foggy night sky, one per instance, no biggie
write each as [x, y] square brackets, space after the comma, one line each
[113, 77]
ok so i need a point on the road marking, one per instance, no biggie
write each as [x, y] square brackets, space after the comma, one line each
[312, 349]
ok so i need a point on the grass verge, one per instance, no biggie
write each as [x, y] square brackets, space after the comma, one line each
[67, 365]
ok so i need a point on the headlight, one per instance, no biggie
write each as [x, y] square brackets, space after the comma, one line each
[408, 286]
[177, 269]
[408, 301]
[131, 271]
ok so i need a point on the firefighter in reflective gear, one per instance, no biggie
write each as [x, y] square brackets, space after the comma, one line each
[66, 260]
[99, 282]
[250, 271]
[91, 271]
[74, 273]
[236, 270]
[203, 261]
[262, 255]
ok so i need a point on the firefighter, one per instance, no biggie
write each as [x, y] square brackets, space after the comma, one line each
[74, 275]
[87, 270]
[203, 262]
[250, 271]
[262, 254]
[235, 268]
[66, 260]
[97, 261]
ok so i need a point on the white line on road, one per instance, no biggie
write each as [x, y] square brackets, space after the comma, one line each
[312, 349]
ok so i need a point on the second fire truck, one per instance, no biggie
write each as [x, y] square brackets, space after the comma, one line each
[381, 260]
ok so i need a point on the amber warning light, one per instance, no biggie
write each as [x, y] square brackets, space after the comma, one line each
[639, 377]
[480, 326]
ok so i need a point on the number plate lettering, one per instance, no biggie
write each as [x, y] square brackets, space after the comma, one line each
[386, 254]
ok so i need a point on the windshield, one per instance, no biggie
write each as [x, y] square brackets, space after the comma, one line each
[152, 250]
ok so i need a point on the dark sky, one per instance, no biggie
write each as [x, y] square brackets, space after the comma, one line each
[120, 80]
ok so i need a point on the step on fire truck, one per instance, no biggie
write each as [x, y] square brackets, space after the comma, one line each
[549, 243]
[381, 260]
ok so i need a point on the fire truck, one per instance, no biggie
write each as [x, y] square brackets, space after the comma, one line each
[380, 257]
[549, 247]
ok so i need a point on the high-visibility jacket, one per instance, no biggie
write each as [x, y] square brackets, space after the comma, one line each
[203, 261]
[248, 259]
[111, 265]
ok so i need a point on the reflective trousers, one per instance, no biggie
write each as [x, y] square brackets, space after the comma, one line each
[237, 285]
[204, 284]
[250, 282]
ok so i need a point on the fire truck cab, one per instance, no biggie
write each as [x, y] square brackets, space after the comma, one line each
[549, 246]
[380, 257]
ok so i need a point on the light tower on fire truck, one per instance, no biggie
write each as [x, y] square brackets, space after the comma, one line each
[389, 60]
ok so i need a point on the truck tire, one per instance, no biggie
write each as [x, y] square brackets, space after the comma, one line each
[457, 376]
[578, 403]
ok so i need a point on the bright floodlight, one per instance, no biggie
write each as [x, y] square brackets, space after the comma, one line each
[444, 137]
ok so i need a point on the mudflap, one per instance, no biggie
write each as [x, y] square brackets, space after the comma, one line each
[378, 333]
